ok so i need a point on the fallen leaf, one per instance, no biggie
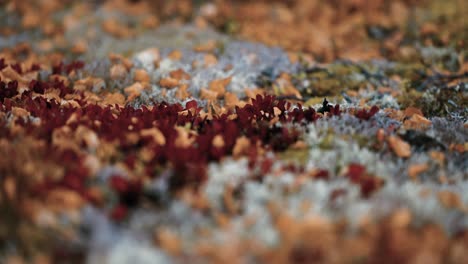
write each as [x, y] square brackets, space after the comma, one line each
[179, 75]
[218, 141]
[118, 72]
[175, 55]
[219, 86]
[449, 199]
[156, 134]
[168, 82]
[209, 46]
[141, 75]
[416, 169]
[400, 147]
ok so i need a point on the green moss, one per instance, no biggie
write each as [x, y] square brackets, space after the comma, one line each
[231, 27]
[300, 156]
[330, 81]
[409, 71]
[436, 101]
[444, 101]
[327, 142]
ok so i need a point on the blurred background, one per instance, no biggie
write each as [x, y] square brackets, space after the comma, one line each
[326, 30]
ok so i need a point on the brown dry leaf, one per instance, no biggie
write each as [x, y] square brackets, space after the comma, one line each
[413, 110]
[209, 46]
[208, 95]
[63, 199]
[93, 164]
[48, 28]
[222, 220]
[252, 93]
[401, 218]
[210, 60]
[416, 169]
[133, 91]
[9, 184]
[115, 28]
[80, 47]
[219, 86]
[437, 156]
[384, 90]
[151, 21]
[118, 72]
[114, 98]
[175, 55]
[86, 135]
[167, 240]
[31, 19]
[179, 75]
[136, 8]
[277, 111]
[429, 28]
[131, 137]
[140, 75]
[117, 58]
[182, 92]
[380, 135]
[157, 135]
[218, 141]
[89, 83]
[62, 138]
[91, 97]
[9, 74]
[183, 140]
[443, 179]
[290, 90]
[59, 78]
[53, 94]
[200, 202]
[394, 114]
[200, 22]
[19, 112]
[241, 145]
[146, 154]
[299, 145]
[459, 147]
[417, 121]
[169, 82]
[399, 146]
[95, 194]
[450, 199]
[352, 93]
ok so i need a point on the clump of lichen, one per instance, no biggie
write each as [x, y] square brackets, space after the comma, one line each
[333, 79]
[448, 100]
[435, 97]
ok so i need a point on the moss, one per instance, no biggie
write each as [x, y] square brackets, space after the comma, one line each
[361, 140]
[315, 100]
[436, 101]
[408, 71]
[301, 156]
[330, 81]
[327, 142]
[231, 27]
[409, 97]
[444, 101]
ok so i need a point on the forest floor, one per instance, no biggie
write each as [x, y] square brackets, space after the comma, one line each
[233, 131]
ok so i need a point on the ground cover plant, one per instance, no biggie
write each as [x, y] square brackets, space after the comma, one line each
[222, 131]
